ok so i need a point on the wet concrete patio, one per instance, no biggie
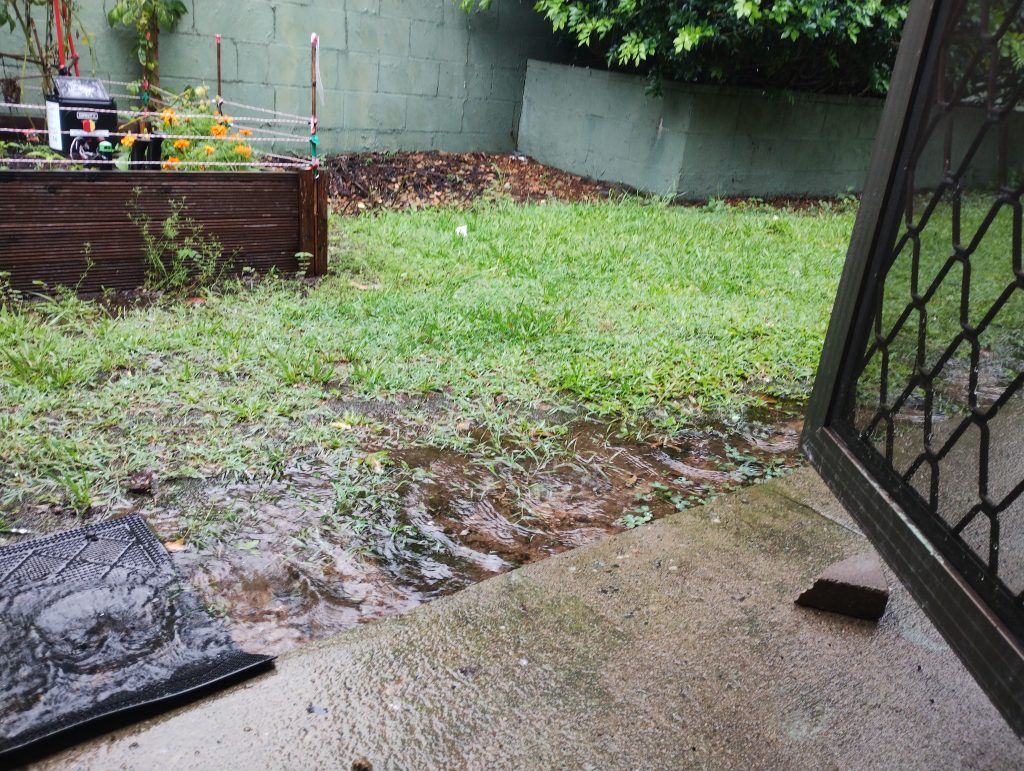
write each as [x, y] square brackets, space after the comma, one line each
[676, 645]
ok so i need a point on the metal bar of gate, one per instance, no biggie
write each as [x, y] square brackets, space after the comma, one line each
[900, 424]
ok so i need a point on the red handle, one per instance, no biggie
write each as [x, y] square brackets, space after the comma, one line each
[60, 34]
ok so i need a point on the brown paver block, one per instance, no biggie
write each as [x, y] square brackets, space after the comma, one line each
[854, 587]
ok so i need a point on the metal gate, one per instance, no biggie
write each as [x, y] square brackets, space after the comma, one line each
[917, 417]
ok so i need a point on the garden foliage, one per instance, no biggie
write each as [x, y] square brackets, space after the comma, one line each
[840, 46]
[146, 18]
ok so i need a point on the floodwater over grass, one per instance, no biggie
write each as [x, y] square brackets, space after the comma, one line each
[442, 408]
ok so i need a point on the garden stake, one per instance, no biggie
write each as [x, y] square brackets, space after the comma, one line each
[220, 101]
[71, 37]
[60, 37]
[314, 140]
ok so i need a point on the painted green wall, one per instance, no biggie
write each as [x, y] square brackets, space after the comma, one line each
[400, 74]
[695, 141]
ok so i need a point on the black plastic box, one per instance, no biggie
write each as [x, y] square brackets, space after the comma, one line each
[79, 115]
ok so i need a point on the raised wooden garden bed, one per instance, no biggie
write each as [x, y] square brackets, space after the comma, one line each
[74, 228]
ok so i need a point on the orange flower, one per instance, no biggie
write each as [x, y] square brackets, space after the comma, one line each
[182, 144]
[210, 149]
[128, 140]
[245, 132]
[224, 119]
[244, 150]
[169, 118]
[171, 162]
[219, 131]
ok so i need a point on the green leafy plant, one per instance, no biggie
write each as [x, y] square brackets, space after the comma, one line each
[201, 137]
[146, 18]
[844, 46]
[179, 253]
[631, 520]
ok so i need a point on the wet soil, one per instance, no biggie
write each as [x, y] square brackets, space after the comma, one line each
[367, 182]
[364, 182]
[323, 547]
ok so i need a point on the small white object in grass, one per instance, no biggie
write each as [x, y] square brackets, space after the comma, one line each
[462, 231]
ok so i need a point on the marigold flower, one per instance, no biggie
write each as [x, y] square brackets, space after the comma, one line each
[244, 150]
[245, 132]
[169, 117]
[224, 119]
[182, 144]
[128, 140]
[171, 162]
[210, 149]
[219, 131]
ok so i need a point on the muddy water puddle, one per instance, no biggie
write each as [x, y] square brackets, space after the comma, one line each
[329, 545]
[406, 517]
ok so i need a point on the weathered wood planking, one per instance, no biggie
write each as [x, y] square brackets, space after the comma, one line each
[50, 221]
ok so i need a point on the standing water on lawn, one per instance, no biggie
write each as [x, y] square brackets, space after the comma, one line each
[322, 548]
[471, 390]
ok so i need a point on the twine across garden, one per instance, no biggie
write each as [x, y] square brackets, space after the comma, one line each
[178, 169]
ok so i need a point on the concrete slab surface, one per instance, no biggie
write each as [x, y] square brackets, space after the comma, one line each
[677, 645]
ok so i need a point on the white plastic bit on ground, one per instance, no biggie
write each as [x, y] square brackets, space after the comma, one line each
[462, 231]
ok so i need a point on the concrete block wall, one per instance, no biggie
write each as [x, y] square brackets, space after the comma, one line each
[399, 74]
[695, 141]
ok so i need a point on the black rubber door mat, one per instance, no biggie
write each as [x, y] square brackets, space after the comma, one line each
[96, 624]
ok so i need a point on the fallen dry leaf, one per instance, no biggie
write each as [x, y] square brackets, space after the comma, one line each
[175, 546]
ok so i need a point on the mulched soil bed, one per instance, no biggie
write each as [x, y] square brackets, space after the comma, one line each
[364, 182]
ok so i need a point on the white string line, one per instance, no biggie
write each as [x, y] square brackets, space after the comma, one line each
[192, 137]
[264, 110]
[252, 108]
[292, 159]
[158, 114]
[281, 134]
[305, 121]
[298, 164]
[157, 89]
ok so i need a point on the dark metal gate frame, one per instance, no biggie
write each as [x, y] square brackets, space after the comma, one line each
[933, 565]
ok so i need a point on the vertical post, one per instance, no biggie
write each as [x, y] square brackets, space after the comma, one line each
[60, 36]
[318, 209]
[220, 100]
[66, 6]
[314, 67]
[307, 216]
[313, 236]
[319, 262]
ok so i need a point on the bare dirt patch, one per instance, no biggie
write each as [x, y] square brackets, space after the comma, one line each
[364, 182]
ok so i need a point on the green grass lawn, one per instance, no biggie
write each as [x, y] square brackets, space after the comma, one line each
[646, 314]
